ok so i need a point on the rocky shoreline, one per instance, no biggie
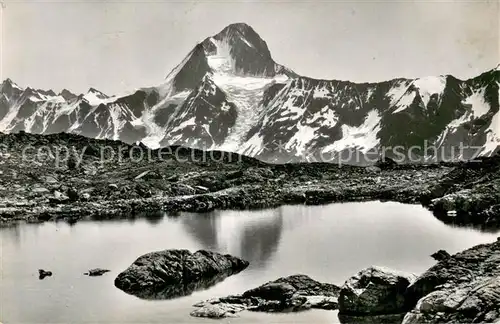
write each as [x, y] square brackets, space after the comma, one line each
[90, 184]
[289, 294]
[463, 288]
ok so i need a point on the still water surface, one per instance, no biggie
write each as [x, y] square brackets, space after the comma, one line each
[328, 243]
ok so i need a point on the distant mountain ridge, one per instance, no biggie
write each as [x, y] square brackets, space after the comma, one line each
[229, 94]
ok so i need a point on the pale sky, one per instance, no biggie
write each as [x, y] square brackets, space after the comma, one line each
[116, 46]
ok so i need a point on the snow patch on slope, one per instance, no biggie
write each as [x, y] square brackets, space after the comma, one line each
[492, 136]
[117, 123]
[452, 127]
[399, 97]
[95, 98]
[9, 117]
[322, 92]
[476, 100]
[363, 138]
[155, 133]
[222, 61]
[430, 85]
[306, 133]
[247, 94]
[492, 133]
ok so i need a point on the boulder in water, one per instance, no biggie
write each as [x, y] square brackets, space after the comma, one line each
[174, 272]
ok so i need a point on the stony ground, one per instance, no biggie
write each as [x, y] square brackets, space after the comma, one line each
[460, 288]
[463, 288]
[40, 181]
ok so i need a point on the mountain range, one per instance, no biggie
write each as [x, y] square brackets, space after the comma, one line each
[229, 94]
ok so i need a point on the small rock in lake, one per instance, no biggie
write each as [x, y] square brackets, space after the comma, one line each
[96, 272]
[43, 273]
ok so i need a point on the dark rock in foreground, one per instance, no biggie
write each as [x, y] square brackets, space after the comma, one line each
[464, 288]
[440, 255]
[43, 273]
[372, 319]
[172, 273]
[289, 294]
[386, 163]
[375, 291]
[96, 272]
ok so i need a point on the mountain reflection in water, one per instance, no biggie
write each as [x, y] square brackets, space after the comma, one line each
[254, 236]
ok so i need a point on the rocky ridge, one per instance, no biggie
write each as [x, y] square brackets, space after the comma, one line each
[229, 94]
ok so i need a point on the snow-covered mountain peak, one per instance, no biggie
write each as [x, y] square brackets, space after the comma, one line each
[240, 27]
[240, 36]
[97, 93]
[237, 50]
[95, 97]
[9, 82]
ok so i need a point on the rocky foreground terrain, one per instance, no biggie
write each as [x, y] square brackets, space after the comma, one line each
[463, 288]
[65, 176]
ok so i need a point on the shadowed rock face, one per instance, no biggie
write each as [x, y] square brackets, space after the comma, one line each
[193, 70]
[171, 273]
[375, 291]
[464, 288]
[373, 319]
